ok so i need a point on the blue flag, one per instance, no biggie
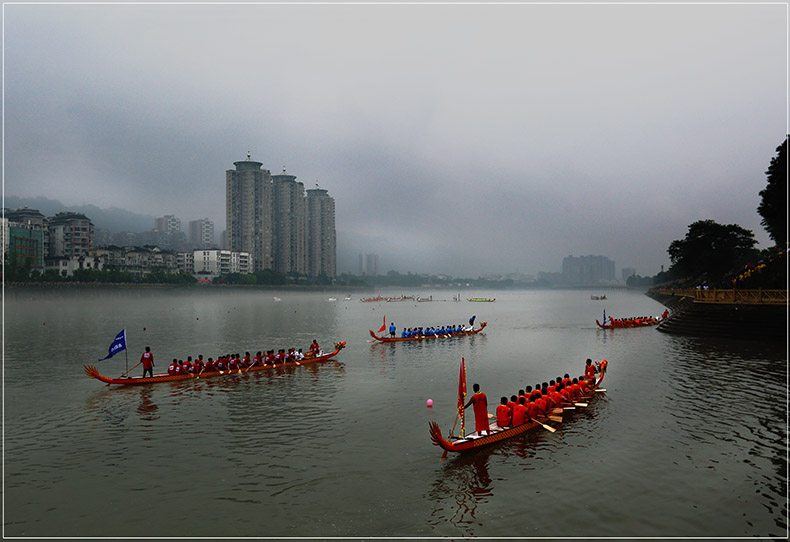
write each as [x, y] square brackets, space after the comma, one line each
[472, 320]
[117, 345]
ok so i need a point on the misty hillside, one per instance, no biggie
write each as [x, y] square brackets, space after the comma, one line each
[113, 219]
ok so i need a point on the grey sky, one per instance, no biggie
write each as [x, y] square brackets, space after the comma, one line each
[454, 138]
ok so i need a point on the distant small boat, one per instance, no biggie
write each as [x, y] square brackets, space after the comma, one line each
[332, 299]
[598, 298]
[347, 298]
[277, 299]
[481, 299]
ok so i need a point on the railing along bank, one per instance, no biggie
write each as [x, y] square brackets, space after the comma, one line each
[742, 297]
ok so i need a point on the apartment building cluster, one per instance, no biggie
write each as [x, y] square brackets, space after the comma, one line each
[273, 223]
[285, 227]
[587, 270]
[65, 243]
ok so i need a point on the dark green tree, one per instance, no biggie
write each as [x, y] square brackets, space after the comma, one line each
[710, 251]
[773, 206]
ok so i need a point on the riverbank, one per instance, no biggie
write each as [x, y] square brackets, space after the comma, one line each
[693, 316]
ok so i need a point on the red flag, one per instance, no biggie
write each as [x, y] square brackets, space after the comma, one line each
[462, 393]
[383, 325]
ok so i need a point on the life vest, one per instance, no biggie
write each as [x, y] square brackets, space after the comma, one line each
[519, 414]
[503, 417]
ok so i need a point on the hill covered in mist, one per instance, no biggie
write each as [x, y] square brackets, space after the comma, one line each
[113, 219]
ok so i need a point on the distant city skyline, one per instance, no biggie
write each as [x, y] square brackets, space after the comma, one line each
[456, 138]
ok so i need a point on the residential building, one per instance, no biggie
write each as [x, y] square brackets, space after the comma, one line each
[587, 270]
[369, 264]
[201, 233]
[25, 246]
[248, 210]
[67, 265]
[70, 234]
[321, 235]
[31, 219]
[186, 262]
[222, 262]
[167, 224]
[289, 225]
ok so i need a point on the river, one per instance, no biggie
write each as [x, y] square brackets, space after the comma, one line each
[690, 440]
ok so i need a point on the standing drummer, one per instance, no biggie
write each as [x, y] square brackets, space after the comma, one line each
[480, 408]
[147, 359]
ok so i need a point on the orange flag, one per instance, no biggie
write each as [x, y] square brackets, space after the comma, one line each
[383, 325]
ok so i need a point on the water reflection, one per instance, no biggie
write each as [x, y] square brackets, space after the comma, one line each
[462, 484]
[739, 409]
[147, 408]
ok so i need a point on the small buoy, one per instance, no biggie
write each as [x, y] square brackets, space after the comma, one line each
[43, 323]
[143, 329]
[198, 318]
[429, 402]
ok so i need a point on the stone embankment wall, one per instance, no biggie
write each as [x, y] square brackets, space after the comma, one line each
[764, 322]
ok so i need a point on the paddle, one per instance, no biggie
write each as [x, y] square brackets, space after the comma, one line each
[600, 390]
[580, 404]
[555, 418]
[127, 371]
[546, 427]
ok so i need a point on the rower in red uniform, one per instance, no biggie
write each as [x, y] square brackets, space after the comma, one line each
[532, 410]
[480, 403]
[171, 369]
[534, 394]
[512, 404]
[520, 412]
[576, 391]
[589, 369]
[503, 416]
[314, 348]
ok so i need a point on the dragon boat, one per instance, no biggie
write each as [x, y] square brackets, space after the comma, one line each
[92, 372]
[481, 299]
[474, 440]
[629, 323]
[427, 338]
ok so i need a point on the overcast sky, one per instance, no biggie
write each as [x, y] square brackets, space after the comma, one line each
[460, 139]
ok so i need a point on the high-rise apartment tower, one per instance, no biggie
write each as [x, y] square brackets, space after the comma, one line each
[248, 211]
[289, 250]
[321, 236]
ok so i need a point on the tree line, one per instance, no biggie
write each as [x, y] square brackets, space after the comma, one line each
[724, 255]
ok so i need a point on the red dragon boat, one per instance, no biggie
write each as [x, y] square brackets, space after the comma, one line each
[424, 338]
[92, 372]
[629, 323]
[473, 441]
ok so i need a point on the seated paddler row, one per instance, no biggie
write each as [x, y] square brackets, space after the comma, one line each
[540, 402]
[412, 332]
[230, 362]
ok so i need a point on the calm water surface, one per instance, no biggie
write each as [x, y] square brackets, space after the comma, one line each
[689, 440]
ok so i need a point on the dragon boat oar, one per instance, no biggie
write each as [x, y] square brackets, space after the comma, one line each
[127, 372]
[545, 426]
